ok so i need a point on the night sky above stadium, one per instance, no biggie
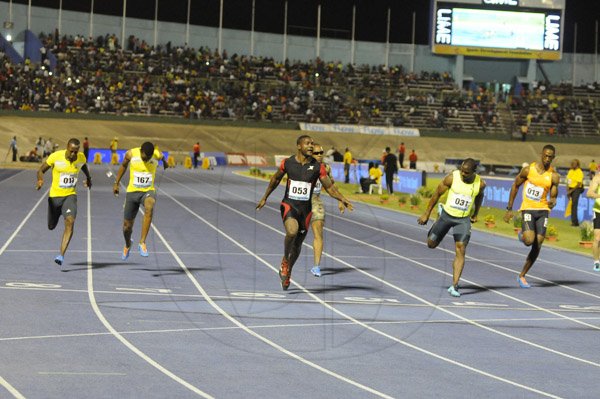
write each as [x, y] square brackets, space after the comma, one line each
[336, 16]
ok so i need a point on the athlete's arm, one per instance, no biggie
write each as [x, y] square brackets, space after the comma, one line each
[591, 193]
[273, 183]
[121, 172]
[478, 201]
[444, 186]
[88, 182]
[554, 190]
[164, 160]
[40, 175]
[519, 180]
[333, 191]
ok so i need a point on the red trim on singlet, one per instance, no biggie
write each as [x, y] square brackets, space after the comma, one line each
[307, 222]
[282, 165]
[322, 171]
[287, 208]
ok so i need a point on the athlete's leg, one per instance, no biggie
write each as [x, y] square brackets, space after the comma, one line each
[459, 261]
[596, 249]
[127, 230]
[148, 212]
[317, 228]
[291, 232]
[68, 233]
[536, 246]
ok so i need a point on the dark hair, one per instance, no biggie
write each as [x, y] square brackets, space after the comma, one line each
[299, 139]
[148, 149]
[73, 141]
[371, 165]
[549, 147]
[470, 163]
[387, 149]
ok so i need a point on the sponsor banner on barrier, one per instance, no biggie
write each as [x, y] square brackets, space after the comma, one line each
[240, 159]
[363, 129]
[216, 158]
[497, 191]
[106, 155]
[408, 182]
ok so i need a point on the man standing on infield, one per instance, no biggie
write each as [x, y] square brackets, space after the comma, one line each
[303, 172]
[540, 180]
[140, 191]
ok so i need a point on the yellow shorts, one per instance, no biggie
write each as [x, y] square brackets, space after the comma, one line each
[318, 209]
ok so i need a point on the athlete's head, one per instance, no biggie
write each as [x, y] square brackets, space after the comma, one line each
[548, 154]
[575, 164]
[468, 169]
[388, 149]
[147, 150]
[305, 145]
[317, 152]
[72, 149]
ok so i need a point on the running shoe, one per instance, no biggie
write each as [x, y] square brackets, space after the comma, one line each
[316, 271]
[597, 266]
[522, 282]
[125, 253]
[453, 290]
[59, 260]
[143, 250]
[285, 274]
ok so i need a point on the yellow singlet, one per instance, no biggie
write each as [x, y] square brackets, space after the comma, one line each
[64, 173]
[535, 191]
[142, 174]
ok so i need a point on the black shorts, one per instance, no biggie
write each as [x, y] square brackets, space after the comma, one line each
[133, 200]
[536, 221]
[461, 228]
[65, 206]
[596, 221]
[302, 214]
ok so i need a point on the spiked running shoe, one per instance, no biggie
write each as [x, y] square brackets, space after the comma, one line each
[522, 282]
[597, 266]
[316, 271]
[285, 274]
[125, 253]
[143, 250]
[59, 260]
[453, 290]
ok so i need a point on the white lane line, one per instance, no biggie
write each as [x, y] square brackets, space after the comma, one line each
[12, 390]
[20, 226]
[461, 305]
[110, 328]
[154, 252]
[348, 317]
[284, 326]
[10, 177]
[472, 242]
[416, 297]
[79, 373]
[243, 326]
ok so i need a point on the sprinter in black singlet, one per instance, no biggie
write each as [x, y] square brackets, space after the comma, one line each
[303, 172]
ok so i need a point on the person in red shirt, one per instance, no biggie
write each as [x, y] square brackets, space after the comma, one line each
[412, 158]
[196, 150]
[401, 151]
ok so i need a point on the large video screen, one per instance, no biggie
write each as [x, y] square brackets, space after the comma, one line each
[478, 30]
